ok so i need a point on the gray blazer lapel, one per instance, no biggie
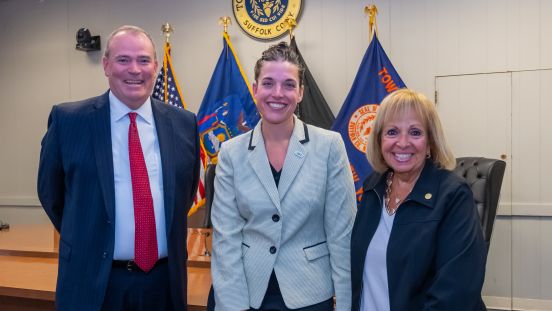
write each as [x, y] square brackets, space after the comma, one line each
[295, 157]
[101, 120]
[165, 132]
[259, 162]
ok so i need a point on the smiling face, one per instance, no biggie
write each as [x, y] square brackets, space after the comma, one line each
[405, 144]
[277, 91]
[130, 67]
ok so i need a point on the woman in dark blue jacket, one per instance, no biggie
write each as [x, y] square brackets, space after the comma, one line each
[416, 243]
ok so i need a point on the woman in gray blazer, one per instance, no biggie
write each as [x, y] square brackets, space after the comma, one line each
[284, 204]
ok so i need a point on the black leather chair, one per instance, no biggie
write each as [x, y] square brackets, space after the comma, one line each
[485, 179]
[209, 193]
[209, 182]
[201, 219]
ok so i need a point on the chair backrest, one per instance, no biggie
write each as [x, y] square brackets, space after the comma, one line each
[484, 176]
[209, 193]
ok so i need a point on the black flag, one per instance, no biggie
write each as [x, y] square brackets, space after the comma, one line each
[313, 109]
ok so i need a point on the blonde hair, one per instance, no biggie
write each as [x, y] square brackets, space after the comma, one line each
[397, 104]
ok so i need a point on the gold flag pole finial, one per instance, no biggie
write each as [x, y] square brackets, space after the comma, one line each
[291, 23]
[167, 31]
[225, 21]
[371, 11]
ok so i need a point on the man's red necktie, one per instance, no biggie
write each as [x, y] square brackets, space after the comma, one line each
[145, 238]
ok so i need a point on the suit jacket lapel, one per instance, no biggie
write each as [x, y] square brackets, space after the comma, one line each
[259, 161]
[163, 124]
[103, 153]
[295, 157]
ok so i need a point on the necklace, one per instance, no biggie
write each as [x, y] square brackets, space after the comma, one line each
[388, 182]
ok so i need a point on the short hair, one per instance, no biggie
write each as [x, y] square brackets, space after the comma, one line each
[280, 52]
[130, 29]
[398, 103]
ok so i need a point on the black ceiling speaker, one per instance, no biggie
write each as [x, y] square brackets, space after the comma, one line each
[87, 42]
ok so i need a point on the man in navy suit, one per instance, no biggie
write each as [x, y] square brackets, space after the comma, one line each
[117, 176]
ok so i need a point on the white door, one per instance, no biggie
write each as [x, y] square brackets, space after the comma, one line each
[476, 112]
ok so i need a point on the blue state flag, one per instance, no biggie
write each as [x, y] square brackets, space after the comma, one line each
[228, 108]
[375, 78]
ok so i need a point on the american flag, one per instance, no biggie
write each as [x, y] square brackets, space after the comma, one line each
[166, 87]
[167, 90]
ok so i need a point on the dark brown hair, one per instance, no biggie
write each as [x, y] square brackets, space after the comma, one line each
[280, 52]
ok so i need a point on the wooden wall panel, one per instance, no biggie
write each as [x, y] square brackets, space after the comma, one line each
[524, 25]
[498, 277]
[545, 268]
[545, 33]
[526, 252]
[545, 135]
[526, 137]
[34, 72]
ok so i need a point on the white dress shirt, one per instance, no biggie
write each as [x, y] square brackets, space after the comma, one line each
[375, 289]
[124, 206]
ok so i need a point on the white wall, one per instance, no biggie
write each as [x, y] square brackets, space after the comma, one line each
[423, 38]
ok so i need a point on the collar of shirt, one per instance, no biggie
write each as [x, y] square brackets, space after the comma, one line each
[120, 110]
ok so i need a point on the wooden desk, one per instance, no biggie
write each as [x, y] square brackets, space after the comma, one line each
[42, 240]
[198, 241]
[38, 240]
[28, 277]
[32, 280]
[199, 283]
[28, 270]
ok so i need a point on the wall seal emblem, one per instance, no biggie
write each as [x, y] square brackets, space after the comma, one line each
[265, 19]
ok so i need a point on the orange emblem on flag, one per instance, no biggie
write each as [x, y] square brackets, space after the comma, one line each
[360, 125]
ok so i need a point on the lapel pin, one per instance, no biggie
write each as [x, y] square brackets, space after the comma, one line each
[428, 196]
[299, 154]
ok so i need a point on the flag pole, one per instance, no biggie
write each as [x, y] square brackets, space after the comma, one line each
[371, 11]
[225, 21]
[166, 30]
[291, 23]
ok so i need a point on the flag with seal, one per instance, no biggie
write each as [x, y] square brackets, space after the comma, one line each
[375, 79]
